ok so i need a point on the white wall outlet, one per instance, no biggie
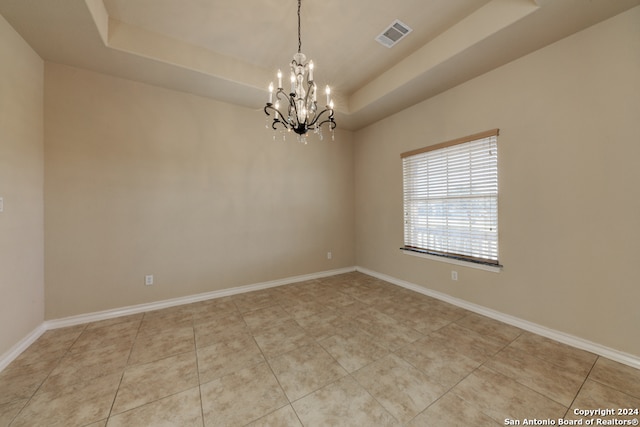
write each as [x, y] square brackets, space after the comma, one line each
[329, 255]
[1, 204]
[148, 279]
[454, 275]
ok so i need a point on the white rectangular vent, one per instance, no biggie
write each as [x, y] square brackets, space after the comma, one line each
[394, 33]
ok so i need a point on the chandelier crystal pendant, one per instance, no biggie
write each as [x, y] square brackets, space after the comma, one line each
[298, 110]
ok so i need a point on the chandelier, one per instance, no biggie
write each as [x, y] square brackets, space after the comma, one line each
[298, 110]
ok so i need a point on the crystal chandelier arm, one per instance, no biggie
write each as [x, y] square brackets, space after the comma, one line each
[329, 119]
[279, 117]
[276, 120]
[276, 112]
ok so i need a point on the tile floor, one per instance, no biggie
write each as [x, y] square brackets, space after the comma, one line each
[346, 350]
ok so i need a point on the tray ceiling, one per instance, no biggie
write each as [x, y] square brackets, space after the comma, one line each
[230, 51]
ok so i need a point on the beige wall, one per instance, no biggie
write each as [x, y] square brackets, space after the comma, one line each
[569, 169]
[21, 186]
[142, 180]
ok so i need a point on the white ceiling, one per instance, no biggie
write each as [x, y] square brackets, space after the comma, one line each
[231, 50]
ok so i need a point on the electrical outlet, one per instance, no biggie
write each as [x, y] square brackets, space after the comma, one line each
[1, 204]
[454, 275]
[329, 255]
[148, 279]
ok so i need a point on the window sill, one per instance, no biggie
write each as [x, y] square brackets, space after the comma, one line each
[476, 265]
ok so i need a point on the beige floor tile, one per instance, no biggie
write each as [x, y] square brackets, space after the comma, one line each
[336, 300]
[375, 316]
[616, 375]
[403, 390]
[419, 318]
[114, 321]
[352, 311]
[366, 295]
[145, 383]
[217, 308]
[75, 405]
[305, 370]
[494, 329]
[283, 417]
[322, 325]
[214, 330]
[225, 357]
[373, 298]
[353, 349]
[123, 333]
[388, 332]
[78, 367]
[569, 358]
[445, 309]
[393, 307]
[52, 344]
[544, 377]
[342, 403]
[8, 411]
[161, 344]
[282, 338]
[451, 411]
[172, 317]
[594, 395]
[397, 296]
[407, 348]
[426, 300]
[500, 397]
[181, 312]
[18, 381]
[265, 317]
[182, 409]
[242, 397]
[469, 343]
[303, 309]
[240, 340]
[439, 362]
[254, 301]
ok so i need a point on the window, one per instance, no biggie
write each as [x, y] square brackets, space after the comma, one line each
[451, 199]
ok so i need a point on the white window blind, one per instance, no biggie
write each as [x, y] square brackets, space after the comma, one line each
[451, 198]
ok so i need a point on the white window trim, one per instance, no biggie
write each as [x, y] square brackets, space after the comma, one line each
[448, 260]
[434, 255]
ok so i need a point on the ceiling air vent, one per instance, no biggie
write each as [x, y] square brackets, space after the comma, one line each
[394, 33]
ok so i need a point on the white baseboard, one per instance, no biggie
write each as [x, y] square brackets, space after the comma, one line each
[573, 341]
[15, 351]
[616, 355]
[21, 346]
[140, 308]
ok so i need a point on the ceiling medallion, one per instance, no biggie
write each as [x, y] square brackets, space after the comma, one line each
[299, 111]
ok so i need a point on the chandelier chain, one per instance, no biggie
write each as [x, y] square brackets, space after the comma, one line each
[299, 37]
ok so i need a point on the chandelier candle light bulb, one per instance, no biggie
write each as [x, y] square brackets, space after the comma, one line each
[301, 113]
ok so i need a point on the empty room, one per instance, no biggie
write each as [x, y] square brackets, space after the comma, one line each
[319, 212]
